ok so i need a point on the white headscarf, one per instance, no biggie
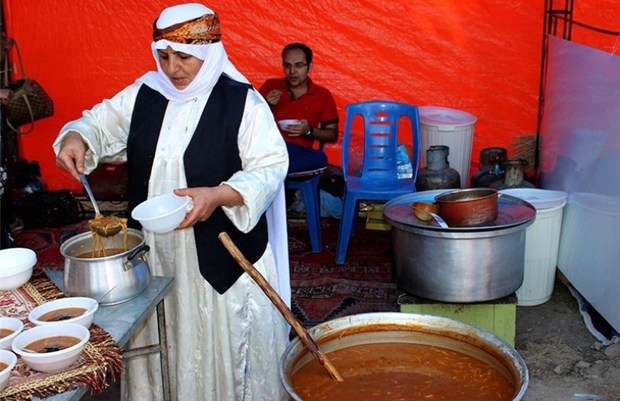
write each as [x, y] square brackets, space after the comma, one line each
[214, 56]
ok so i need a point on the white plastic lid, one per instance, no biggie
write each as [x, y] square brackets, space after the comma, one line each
[444, 116]
[539, 198]
[17, 259]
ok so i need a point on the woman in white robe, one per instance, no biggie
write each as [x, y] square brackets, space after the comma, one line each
[222, 347]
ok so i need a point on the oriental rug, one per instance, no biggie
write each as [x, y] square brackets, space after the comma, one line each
[99, 365]
[321, 290]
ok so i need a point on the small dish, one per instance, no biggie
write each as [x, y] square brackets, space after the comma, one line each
[10, 327]
[422, 210]
[79, 310]
[162, 214]
[284, 124]
[48, 348]
[7, 363]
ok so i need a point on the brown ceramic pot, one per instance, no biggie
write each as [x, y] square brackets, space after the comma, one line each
[468, 207]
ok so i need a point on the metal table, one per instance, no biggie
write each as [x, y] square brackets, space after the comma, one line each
[122, 321]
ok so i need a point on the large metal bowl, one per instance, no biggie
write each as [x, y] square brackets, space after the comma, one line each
[459, 264]
[372, 328]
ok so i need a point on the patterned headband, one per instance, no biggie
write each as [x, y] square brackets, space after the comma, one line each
[200, 31]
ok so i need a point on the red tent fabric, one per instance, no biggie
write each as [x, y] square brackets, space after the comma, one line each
[482, 57]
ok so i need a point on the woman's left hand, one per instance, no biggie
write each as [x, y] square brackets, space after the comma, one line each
[205, 200]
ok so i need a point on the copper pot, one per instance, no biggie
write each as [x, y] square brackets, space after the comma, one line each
[468, 207]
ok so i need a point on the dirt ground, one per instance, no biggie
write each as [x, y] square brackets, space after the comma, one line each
[565, 361]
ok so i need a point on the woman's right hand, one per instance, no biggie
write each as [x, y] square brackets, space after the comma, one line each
[71, 155]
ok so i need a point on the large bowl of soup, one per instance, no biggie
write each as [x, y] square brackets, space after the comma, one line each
[51, 348]
[404, 356]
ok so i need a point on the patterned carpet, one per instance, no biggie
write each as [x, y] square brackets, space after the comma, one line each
[321, 289]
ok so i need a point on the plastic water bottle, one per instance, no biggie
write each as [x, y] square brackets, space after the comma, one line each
[403, 163]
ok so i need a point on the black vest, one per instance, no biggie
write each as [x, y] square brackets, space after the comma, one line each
[211, 157]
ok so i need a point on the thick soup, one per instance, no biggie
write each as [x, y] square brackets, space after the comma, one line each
[5, 332]
[58, 315]
[101, 253]
[3, 366]
[402, 371]
[52, 344]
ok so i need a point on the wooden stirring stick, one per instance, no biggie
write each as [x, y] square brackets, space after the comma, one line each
[279, 303]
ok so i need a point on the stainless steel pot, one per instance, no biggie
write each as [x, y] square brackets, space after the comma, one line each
[370, 328]
[459, 264]
[112, 279]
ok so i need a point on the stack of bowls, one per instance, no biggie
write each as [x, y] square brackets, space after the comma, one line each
[16, 265]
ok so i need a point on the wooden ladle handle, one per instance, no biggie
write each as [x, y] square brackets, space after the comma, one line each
[280, 305]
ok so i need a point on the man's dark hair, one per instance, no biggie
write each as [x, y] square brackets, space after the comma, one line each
[307, 51]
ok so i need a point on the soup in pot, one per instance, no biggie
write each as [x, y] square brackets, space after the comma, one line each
[58, 315]
[403, 371]
[100, 253]
[52, 344]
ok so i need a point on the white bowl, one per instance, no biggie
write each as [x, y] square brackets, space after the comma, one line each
[285, 123]
[51, 361]
[163, 213]
[13, 324]
[16, 265]
[85, 319]
[10, 359]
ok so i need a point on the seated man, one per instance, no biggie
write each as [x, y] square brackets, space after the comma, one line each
[297, 97]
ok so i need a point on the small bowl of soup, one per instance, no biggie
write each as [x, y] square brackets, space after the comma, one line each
[79, 310]
[51, 347]
[10, 327]
[7, 363]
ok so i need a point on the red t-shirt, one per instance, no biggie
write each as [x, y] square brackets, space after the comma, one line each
[317, 106]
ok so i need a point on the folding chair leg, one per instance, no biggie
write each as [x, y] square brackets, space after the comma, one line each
[349, 213]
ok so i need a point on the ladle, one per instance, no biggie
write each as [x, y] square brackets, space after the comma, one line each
[435, 216]
[280, 305]
[104, 231]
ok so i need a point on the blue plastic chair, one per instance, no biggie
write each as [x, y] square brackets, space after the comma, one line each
[308, 183]
[378, 178]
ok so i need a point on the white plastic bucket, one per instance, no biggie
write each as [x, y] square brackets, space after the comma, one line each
[542, 243]
[590, 250]
[452, 128]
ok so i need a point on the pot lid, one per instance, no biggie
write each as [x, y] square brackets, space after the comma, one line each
[539, 198]
[445, 117]
[511, 211]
